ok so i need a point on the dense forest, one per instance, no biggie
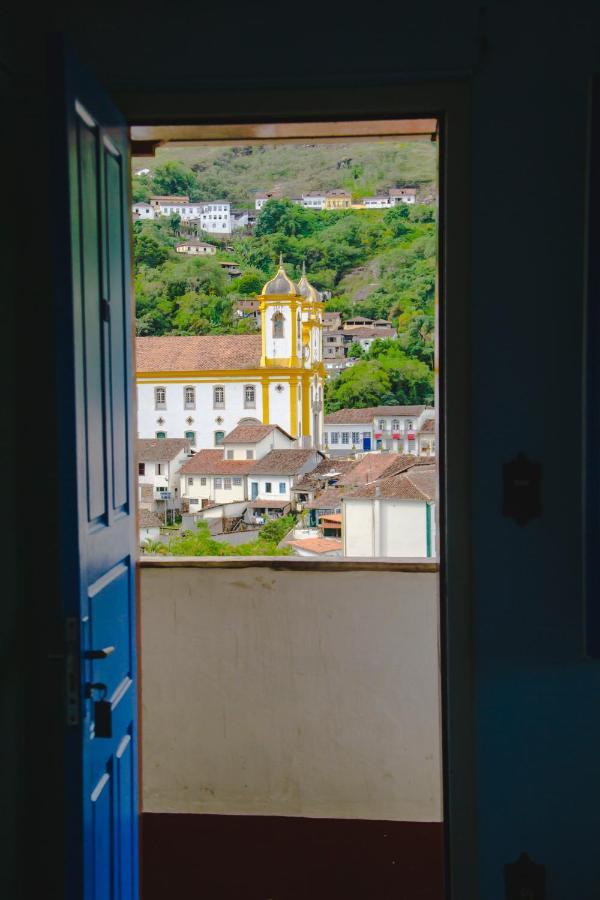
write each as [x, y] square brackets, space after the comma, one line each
[375, 263]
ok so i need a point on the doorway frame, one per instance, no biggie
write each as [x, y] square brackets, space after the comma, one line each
[449, 103]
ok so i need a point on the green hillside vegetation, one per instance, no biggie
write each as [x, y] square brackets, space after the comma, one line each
[201, 543]
[375, 263]
[237, 173]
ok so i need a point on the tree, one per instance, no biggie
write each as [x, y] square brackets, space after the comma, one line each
[355, 350]
[148, 251]
[173, 177]
[175, 223]
[396, 219]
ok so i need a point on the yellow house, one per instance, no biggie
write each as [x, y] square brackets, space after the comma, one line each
[338, 198]
[199, 387]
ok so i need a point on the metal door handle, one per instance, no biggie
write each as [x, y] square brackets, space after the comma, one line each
[99, 654]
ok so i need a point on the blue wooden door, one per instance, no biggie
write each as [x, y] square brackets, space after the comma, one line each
[98, 527]
[254, 490]
[366, 443]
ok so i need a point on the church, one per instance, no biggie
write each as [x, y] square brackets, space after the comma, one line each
[199, 387]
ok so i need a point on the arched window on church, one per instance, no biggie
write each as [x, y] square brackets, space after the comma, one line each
[278, 323]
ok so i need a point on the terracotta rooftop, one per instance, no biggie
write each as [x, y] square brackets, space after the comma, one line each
[317, 545]
[349, 416]
[370, 468]
[334, 518]
[211, 462]
[249, 433]
[281, 462]
[368, 331]
[428, 426]
[418, 483]
[159, 449]
[197, 353]
[268, 504]
[329, 499]
[148, 519]
[319, 475]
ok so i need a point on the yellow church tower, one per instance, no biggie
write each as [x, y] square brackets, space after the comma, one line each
[291, 327]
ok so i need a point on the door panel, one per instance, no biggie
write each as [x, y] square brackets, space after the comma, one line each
[98, 529]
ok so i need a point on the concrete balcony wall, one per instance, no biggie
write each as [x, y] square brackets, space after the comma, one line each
[290, 693]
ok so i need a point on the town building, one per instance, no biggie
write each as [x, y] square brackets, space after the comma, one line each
[262, 197]
[402, 429]
[142, 211]
[149, 524]
[393, 515]
[380, 201]
[248, 309]
[194, 247]
[317, 547]
[314, 199]
[207, 478]
[271, 479]
[239, 219]
[199, 387]
[403, 195]
[159, 461]
[338, 198]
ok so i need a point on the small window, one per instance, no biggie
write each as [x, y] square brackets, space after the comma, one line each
[219, 438]
[218, 397]
[382, 424]
[334, 437]
[190, 481]
[160, 397]
[268, 487]
[395, 425]
[159, 469]
[218, 484]
[193, 500]
[409, 424]
[203, 481]
[282, 487]
[249, 396]
[227, 484]
[191, 437]
[237, 481]
[141, 468]
[230, 454]
[355, 437]
[278, 325]
[161, 435]
[345, 437]
[249, 454]
[189, 397]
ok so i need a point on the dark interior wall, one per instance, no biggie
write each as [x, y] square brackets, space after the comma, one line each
[538, 728]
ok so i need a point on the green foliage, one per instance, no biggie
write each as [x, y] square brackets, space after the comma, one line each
[173, 177]
[276, 529]
[355, 350]
[385, 376]
[148, 251]
[201, 543]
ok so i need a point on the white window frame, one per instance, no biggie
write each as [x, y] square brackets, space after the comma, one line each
[219, 391]
[189, 404]
[218, 484]
[160, 390]
[249, 396]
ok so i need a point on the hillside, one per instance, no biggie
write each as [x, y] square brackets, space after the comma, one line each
[237, 173]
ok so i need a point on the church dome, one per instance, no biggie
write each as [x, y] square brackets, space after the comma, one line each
[281, 283]
[306, 289]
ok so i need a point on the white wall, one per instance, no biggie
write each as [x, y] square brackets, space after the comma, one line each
[279, 405]
[261, 698]
[198, 491]
[274, 481]
[204, 414]
[379, 528]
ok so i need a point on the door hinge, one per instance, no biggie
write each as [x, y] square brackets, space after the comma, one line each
[72, 692]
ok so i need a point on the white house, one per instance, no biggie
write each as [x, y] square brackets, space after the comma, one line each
[149, 524]
[397, 428]
[313, 199]
[262, 197]
[239, 219]
[317, 547]
[207, 478]
[271, 479]
[403, 195]
[194, 247]
[380, 201]
[393, 516]
[159, 461]
[251, 440]
[214, 216]
[142, 211]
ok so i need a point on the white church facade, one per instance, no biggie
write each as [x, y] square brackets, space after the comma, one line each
[200, 387]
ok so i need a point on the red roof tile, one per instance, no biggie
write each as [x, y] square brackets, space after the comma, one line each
[159, 449]
[317, 545]
[282, 462]
[198, 353]
[211, 462]
[252, 434]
